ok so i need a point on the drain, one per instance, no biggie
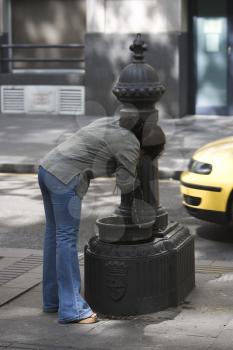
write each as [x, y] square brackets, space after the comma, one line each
[19, 267]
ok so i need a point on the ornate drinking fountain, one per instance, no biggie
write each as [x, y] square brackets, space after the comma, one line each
[138, 265]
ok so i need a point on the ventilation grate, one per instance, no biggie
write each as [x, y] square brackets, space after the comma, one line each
[12, 99]
[19, 267]
[43, 99]
[71, 100]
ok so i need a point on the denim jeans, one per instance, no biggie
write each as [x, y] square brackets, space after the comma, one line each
[61, 274]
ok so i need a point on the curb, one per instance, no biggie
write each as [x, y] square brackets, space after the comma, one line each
[19, 168]
[33, 169]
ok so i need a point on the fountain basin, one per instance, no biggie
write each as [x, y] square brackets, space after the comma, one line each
[121, 229]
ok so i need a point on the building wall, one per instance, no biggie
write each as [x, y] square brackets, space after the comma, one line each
[1, 11]
[128, 16]
[4, 16]
[111, 27]
[53, 88]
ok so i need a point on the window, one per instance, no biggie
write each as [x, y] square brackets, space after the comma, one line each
[48, 22]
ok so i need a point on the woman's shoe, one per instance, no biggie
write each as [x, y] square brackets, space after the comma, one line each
[88, 320]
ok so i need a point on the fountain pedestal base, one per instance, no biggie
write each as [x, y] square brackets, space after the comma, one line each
[139, 278]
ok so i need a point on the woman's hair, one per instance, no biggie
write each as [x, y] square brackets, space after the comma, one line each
[153, 151]
[137, 130]
[148, 133]
[134, 124]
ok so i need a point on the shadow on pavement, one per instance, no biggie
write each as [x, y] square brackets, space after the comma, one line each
[214, 232]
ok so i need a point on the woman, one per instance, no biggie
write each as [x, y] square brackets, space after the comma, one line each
[100, 149]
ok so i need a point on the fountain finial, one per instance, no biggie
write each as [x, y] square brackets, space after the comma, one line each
[138, 83]
[138, 47]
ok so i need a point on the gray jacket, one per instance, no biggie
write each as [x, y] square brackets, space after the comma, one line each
[102, 147]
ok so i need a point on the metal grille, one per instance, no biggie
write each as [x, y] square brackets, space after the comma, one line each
[68, 99]
[12, 99]
[71, 100]
[19, 267]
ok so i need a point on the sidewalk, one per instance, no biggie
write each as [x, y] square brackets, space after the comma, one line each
[25, 139]
[204, 321]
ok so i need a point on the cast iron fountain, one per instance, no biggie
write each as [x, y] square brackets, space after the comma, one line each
[137, 266]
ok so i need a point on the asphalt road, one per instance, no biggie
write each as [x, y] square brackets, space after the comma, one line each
[22, 215]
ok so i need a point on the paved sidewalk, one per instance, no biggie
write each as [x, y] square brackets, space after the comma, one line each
[20, 270]
[204, 321]
[24, 139]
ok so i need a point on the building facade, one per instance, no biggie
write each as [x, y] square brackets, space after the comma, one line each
[63, 56]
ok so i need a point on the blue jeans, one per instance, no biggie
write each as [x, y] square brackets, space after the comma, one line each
[61, 274]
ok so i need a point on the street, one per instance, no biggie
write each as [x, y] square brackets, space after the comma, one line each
[22, 216]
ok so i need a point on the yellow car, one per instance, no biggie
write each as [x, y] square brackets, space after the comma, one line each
[207, 186]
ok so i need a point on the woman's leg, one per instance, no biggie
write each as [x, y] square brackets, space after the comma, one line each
[67, 210]
[50, 287]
